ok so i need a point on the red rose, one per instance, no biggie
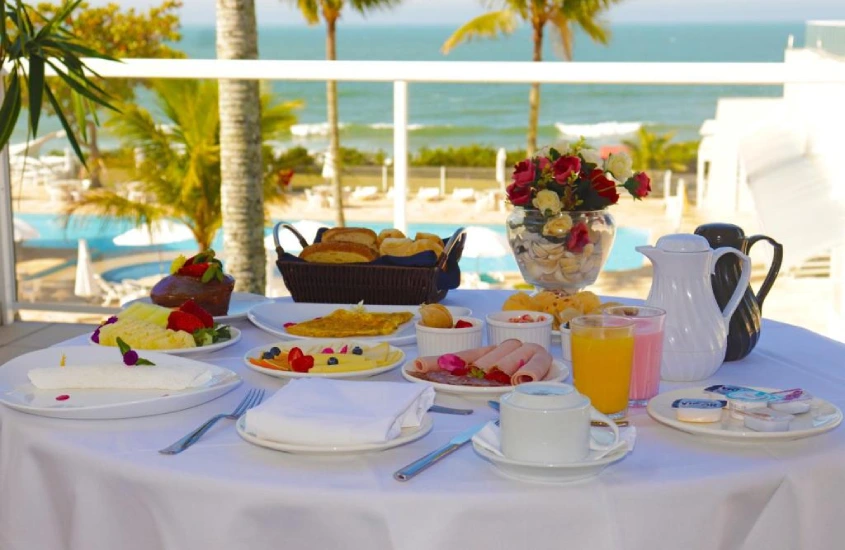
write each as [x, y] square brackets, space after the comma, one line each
[642, 185]
[519, 195]
[543, 164]
[604, 186]
[564, 167]
[523, 173]
[579, 237]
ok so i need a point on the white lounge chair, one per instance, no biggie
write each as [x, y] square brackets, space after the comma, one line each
[122, 292]
[464, 194]
[366, 193]
[429, 194]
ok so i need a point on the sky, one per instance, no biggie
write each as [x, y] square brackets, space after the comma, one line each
[451, 12]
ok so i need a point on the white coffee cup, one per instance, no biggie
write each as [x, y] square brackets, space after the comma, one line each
[549, 423]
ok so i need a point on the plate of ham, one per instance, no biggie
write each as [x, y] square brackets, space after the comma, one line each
[489, 370]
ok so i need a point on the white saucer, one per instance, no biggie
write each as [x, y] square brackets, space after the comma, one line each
[549, 473]
[407, 435]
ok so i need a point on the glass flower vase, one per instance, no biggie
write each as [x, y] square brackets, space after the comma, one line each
[564, 252]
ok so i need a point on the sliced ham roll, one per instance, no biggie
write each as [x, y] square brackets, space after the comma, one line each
[489, 360]
[428, 364]
[537, 368]
[512, 362]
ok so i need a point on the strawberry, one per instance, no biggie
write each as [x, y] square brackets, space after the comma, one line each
[294, 354]
[460, 371]
[180, 320]
[197, 311]
[463, 324]
[193, 270]
[498, 376]
[302, 364]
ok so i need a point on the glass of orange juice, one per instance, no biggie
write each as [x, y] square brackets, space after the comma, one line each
[602, 357]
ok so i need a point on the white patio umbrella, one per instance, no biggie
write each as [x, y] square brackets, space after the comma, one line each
[85, 285]
[288, 240]
[484, 243]
[163, 232]
[23, 230]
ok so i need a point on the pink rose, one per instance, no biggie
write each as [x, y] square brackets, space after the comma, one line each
[524, 173]
[519, 195]
[564, 167]
[643, 185]
[543, 164]
[579, 237]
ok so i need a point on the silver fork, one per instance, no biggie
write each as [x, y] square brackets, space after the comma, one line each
[252, 398]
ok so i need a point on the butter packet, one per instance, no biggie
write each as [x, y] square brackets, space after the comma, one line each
[699, 410]
[720, 389]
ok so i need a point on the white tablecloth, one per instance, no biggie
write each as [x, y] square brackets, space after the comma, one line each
[102, 485]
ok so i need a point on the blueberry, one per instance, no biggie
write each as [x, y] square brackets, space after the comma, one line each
[267, 355]
[275, 351]
[332, 361]
[357, 351]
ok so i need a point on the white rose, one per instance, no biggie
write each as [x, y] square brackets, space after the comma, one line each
[557, 227]
[592, 156]
[620, 165]
[547, 202]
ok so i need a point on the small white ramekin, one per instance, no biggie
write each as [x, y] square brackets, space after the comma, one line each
[438, 341]
[566, 344]
[500, 329]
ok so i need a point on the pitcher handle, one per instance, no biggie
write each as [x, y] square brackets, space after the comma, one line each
[595, 445]
[773, 270]
[741, 285]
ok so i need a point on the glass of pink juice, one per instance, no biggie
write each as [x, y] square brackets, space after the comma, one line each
[648, 350]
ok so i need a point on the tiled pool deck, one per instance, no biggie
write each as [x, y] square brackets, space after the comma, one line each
[23, 337]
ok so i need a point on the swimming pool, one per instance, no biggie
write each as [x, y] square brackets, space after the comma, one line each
[99, 235]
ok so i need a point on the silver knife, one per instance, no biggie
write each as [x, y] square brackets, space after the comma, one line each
[454, 444]
[448, 410]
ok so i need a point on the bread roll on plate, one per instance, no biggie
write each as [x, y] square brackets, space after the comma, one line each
[338, 253]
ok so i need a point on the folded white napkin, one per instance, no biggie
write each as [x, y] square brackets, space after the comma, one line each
[326, 412]
[489, 438]
[119, 376]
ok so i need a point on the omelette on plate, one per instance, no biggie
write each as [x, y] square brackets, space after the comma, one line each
[342, 323]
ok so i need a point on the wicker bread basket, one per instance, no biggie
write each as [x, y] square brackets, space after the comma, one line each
[374, 284]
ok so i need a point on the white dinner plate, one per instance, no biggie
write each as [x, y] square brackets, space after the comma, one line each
[272, 317]
[284, 346]
[236, 336]
[558, 373]
[18, 393]
[822, 417]
[239, 306]
[407, 435]
[549, 473]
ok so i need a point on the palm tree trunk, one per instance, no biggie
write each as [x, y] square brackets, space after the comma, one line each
[241, 189]
[334, 130]
[95, 158]
[534, 94]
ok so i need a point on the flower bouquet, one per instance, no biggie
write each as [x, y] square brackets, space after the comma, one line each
[560, 230]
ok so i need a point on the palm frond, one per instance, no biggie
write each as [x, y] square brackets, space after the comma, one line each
[488, 25]
[363, 6]
[563, 30]
[113, 206]
[310, 10]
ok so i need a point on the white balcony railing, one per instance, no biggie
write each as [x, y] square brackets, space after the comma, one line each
[401, 74]
[827, 37]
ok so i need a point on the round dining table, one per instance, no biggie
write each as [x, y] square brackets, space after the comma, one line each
[103, 485]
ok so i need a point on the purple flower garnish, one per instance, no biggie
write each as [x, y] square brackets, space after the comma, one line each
[450, 362]
[96, 336]
[130, 358]
[111, 320]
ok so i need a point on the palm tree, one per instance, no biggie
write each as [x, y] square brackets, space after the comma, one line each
[330, 11]
[181, 159]
[242, 200]
[653, 151]
[563, 15]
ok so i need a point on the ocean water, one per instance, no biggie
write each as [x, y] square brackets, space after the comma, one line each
[54, 234]
[496, 114]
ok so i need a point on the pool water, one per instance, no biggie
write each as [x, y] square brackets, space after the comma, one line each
[99, 232]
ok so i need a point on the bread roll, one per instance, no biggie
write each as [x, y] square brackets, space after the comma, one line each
[407, 247]
[359, 235]
[429, 237]
[338, 253]
[389, 234]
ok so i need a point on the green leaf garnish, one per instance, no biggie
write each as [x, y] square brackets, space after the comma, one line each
[142, 361]
[124, 347]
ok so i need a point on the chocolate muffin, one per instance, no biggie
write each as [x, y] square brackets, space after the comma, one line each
[199, 278]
